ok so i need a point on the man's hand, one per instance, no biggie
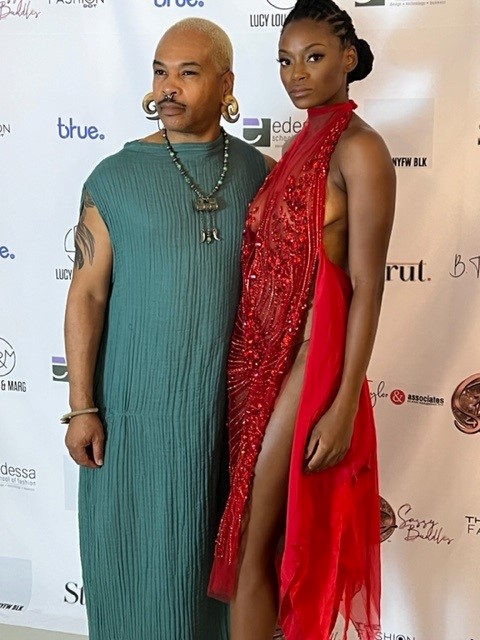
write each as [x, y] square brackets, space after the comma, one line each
[85, 440]
[329, 442]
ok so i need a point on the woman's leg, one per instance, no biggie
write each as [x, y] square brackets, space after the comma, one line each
[254, 609]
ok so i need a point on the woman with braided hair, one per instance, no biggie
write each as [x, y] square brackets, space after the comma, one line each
[299, 539]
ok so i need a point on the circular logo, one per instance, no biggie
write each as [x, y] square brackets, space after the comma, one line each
[8, 359]
[466, 405]
[397, 396]
[388, 521]
[284, 5]
[69, 243]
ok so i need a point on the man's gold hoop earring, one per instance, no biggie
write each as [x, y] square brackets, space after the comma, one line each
[149, 107]
[230, 109]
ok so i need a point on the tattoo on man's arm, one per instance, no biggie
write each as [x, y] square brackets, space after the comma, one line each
[84, 241]
[87, 200]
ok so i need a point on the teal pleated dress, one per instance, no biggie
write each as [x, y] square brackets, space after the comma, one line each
[148, 517]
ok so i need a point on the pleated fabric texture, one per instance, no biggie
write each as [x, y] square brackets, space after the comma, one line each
[148, 517]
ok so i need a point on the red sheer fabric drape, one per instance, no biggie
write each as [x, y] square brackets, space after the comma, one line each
[331, 557]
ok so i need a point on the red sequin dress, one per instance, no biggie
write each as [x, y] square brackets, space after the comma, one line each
[331, 560]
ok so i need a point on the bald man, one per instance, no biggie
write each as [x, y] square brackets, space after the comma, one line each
[149, 316]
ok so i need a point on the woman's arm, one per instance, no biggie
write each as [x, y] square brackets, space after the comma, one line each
[367, 169]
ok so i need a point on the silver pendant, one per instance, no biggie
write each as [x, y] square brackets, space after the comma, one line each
[210, 235]
[206, 205]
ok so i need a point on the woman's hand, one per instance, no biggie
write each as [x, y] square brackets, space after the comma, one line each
[329, 441]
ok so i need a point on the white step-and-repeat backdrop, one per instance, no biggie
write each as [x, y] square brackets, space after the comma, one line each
[72, 77]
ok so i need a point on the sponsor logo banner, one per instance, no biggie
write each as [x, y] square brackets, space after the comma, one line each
[273, 18]
[406, 272]
[465, 265]
[411, 526]
[74, 593]
[69, 130]
[388, 521]
[17, 9]
[472, 524]
[266, 132]
[285, 5]
[180, 4]
[399, 3]
[65, 272]
[86, 4]
[6, 253]
[369, 3]
[17, 477]
[8, 362]
[466, 405]
[379, 391]
[8, 358]
[59, 369]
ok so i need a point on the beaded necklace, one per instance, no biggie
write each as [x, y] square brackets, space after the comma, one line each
[205, 204]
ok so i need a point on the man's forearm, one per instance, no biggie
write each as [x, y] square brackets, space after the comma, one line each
[84, 320]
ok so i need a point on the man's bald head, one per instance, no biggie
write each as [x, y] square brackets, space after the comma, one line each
[222, 50]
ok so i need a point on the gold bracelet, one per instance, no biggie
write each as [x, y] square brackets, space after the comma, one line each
[65, 419]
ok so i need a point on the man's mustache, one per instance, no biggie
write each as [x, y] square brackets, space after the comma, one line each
[168, 100]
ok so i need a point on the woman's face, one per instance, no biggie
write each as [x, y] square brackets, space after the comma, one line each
[314, 64]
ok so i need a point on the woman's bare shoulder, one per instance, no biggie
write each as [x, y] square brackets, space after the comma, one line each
[360, 135]
[361, 145]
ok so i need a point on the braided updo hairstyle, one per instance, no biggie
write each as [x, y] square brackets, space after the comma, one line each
[341, 25]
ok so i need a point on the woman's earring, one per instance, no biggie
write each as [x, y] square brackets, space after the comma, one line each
[230, 109]
[149, 107]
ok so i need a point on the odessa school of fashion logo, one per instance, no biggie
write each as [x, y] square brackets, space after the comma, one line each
[59, 369]
[369, 3]
[18, 477]
[257, 131]
[265, 132]
[181, 4]
[68, 130]
[466, 405]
